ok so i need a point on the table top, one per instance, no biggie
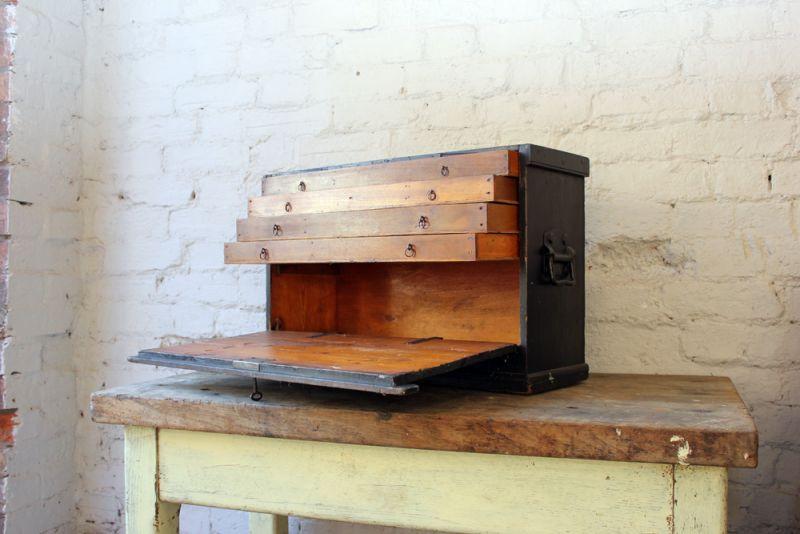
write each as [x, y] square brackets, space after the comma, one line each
[693, 420]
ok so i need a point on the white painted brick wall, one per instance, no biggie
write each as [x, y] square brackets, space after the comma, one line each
[688, 110]
[45, 281]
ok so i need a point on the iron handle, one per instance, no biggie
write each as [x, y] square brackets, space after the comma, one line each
[551, 257]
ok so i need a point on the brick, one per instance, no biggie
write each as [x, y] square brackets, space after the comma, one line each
[534, 71]
[703, 219]
[450, 42]
[7, 44]
[522, 38]
[750, 300]
[267, 22]
[722, 257]
[628, 29]
[481, 79]
[617, 348]
[219, 95]
[362, 83]
[774, 219]
[740, 23]
[742, 61]
[662, 181]
[785, 177]
[642, 220]
[318, 17]
[731, 139]
[284, 91]
[285, 55]
[201, 8]
[353, 115]
[742, 179]
[5, 86]
[653, 102]
[367, 48]
[622, 67]
[746, 98]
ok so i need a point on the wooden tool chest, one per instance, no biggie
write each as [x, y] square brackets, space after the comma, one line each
[461, 268]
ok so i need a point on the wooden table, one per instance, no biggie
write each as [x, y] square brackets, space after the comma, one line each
[618, 453]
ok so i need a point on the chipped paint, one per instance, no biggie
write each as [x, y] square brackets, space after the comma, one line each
[684, 450]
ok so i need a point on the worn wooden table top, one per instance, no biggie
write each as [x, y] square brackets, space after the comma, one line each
[697, 420]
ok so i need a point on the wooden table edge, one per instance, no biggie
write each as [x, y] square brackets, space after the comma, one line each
[678, 446]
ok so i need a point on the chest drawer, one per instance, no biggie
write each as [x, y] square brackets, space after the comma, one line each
[447, 219]
[423, 248]
[369, 197]
[489, 162]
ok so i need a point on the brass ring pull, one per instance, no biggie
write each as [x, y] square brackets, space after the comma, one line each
[445, 170]
[410, 251]
[277, 230]
[431, 195]
[264, 254]
[288, 207]
[301, 186]
[423, 222]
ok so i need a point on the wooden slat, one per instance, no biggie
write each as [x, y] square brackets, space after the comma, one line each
[145, 513]
[496, 162]
[446, 247]
[701, 499]
[369, 360]
[419, 193]
[445, 219]
[431, 490]
[626, 418]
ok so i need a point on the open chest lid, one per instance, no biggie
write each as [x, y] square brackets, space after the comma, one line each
[387, 365]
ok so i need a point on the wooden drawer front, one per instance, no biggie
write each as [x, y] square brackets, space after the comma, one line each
[446, 219]
[446, 247]
[495, 162]
[420, 193]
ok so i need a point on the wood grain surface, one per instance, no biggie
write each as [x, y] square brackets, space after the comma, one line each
[381, 360]
[697, 420]
[446, 219]
[496, 162]
[366, 197]
[471, 301]
[413, 248]
[467, 300]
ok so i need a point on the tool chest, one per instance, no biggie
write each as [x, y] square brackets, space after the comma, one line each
[460, 268]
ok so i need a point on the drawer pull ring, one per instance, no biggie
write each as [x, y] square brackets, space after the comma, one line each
[264, 254]
[423, 223]
[256, 395]
[410, 251]
[431, 195]
[288, 207]
[445, 170]
[301, 186]
[277, 230]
